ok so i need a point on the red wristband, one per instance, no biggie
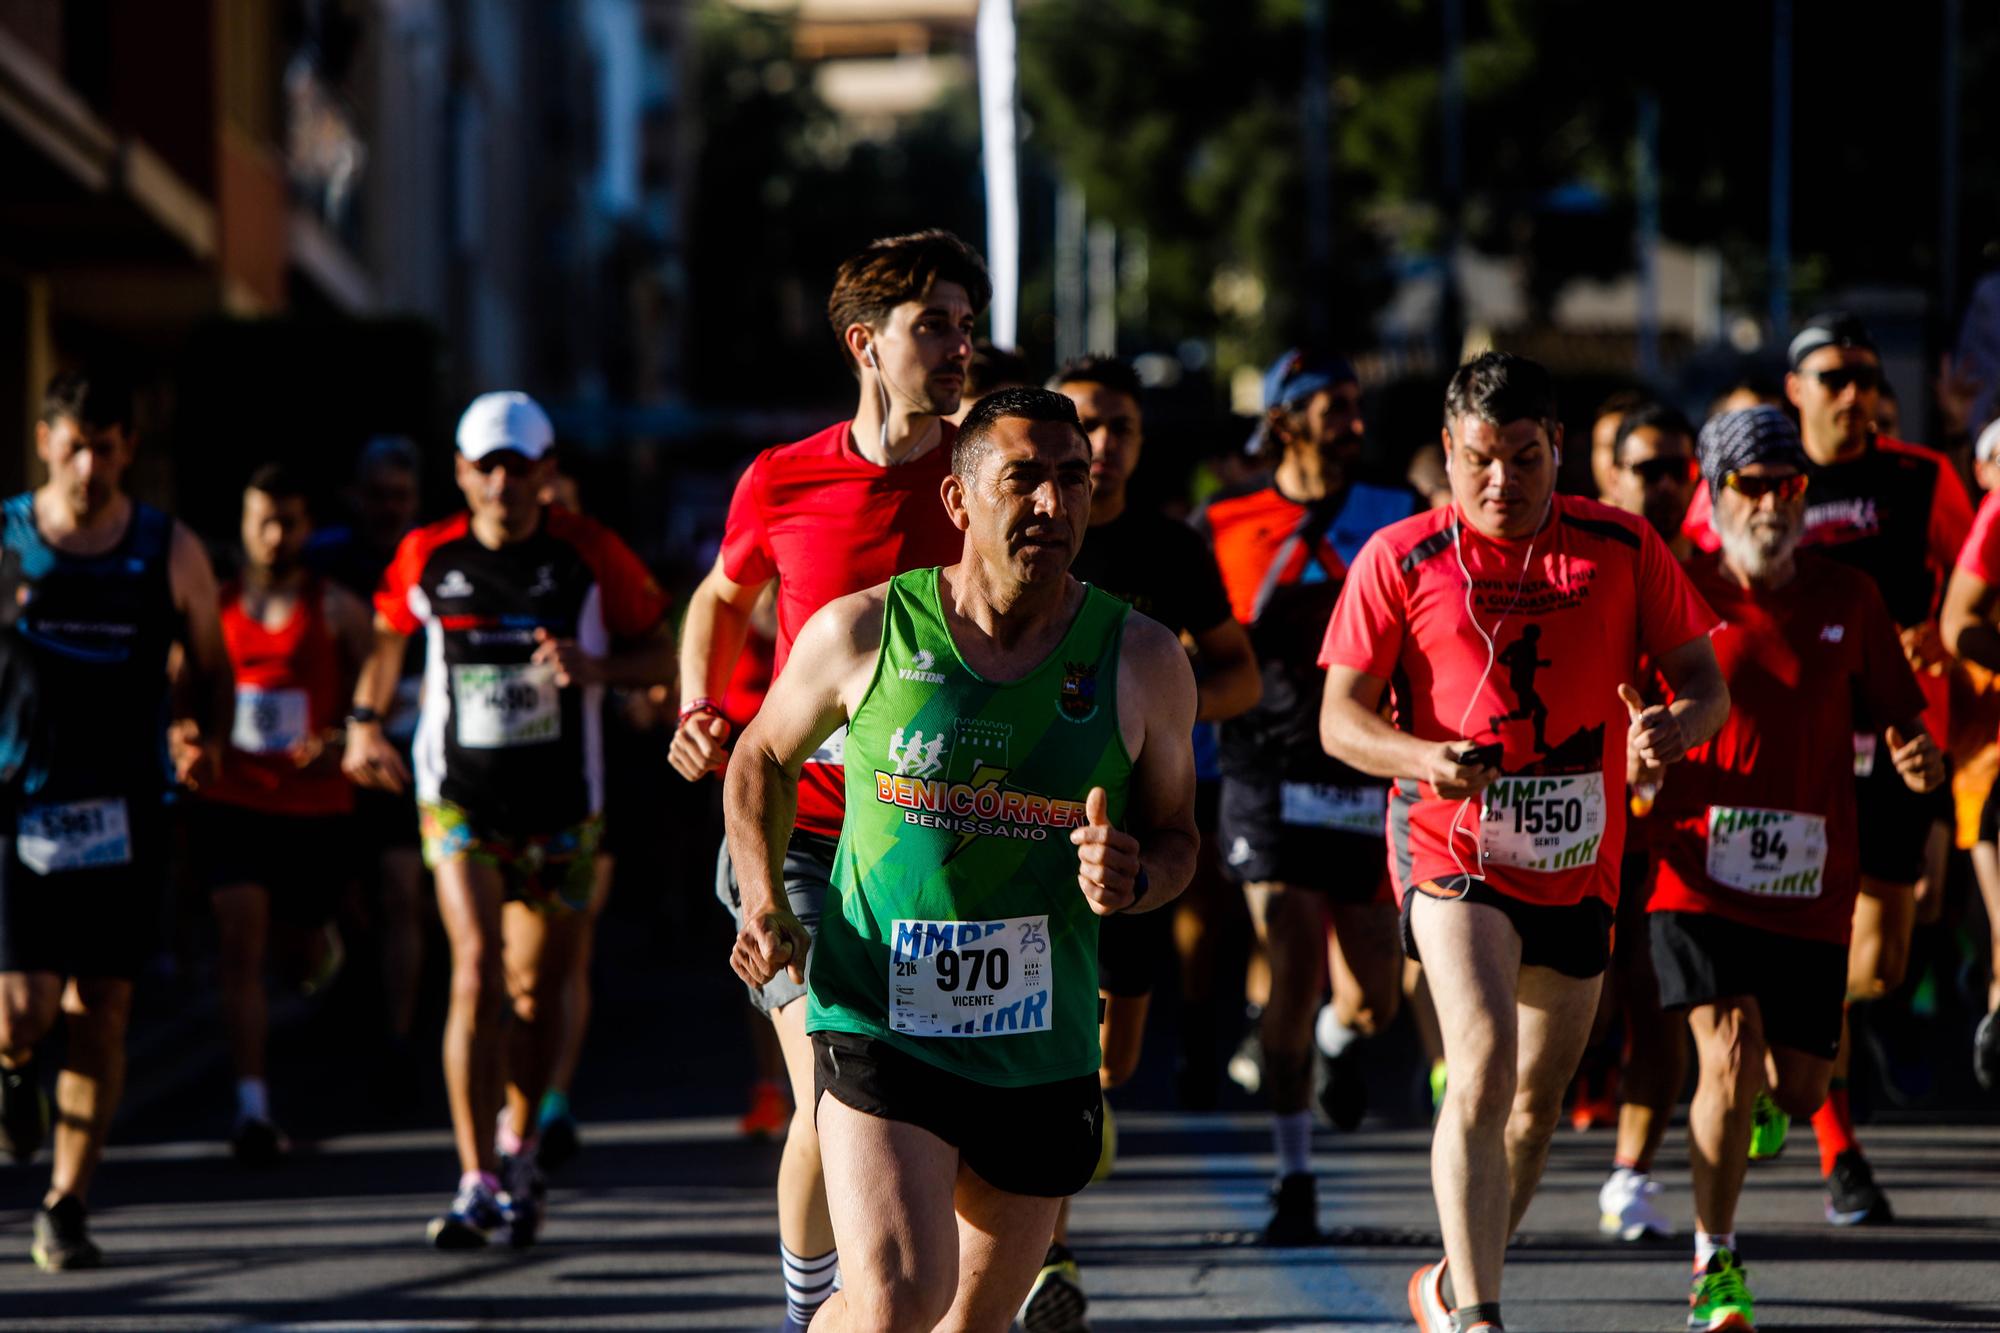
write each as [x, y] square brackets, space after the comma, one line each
[698, 706]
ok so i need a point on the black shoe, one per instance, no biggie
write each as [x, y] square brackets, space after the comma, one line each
[523, 1199]
[257, 1143]
[1295, 1212]
[24, 1111]
[62, 1239]
[1339, 1087]
[1853, 1198]
[560, 1142]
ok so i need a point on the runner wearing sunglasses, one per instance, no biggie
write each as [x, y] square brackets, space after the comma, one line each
[1898, 513]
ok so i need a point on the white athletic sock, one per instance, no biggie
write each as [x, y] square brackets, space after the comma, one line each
[1705, 1246]
[252, 1101]
[1332, 1035]
[808, 1281]
[1292, 1136]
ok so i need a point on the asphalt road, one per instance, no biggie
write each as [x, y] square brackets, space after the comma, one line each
[666, 1221]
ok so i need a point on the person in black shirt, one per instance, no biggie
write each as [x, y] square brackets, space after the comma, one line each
[1165, 571]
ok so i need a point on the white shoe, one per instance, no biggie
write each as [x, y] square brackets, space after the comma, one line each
[1627, 1209]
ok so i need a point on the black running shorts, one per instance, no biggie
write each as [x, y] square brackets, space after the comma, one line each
[95, 921]
[1042, 1140]
[1133, 949]
[1894, 822]
[1800, 985]
[302, 861]
[1263, 831]
[1573, 940]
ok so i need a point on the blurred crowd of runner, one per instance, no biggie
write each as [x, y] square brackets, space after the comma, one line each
[1690, 780]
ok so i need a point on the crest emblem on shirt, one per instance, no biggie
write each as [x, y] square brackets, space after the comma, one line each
[1077, 696]
[454, 584]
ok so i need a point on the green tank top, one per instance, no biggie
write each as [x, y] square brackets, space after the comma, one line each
[955, 930]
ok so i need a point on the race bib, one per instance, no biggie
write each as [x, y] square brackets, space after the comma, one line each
[1864, 753]
[1361, 810]
[269, 721]
[832, 750]
[501, 706]
[76, 836]
[970, 978]
[1543, 823]
[1769, 853]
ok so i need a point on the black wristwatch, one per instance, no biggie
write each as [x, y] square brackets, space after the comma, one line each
[1139, 886]
[363, 714]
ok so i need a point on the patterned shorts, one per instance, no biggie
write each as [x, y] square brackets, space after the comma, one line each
[547, 871]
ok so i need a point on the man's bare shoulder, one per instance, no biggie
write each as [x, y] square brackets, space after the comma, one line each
[846, 627]
[1153, 653]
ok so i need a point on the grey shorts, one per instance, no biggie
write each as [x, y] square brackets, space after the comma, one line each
[808, 873]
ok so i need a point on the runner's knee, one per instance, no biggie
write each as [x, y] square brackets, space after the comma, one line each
[902, 1302]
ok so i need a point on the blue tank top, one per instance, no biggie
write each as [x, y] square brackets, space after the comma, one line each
[98, 629]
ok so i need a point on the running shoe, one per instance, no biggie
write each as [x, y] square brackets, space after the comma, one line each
[1427, 1305]
[1107, 1148]
[1437, 1082]
[1768, 1128]
[769, 1115]
[24, 1111]
[1338, 1084]
[1986, 1052]
[257, 1142]
[62, 1237]
[1596, 1099]
[1721, 1298]
[1056, 1302]
[1852, 1197]
[475, 1215]
[1246, 1067]
[1294, 1212]
[1627, 1207]
[523, 1198]
[560, 1140]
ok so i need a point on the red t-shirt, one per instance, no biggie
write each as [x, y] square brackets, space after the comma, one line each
[1807, 664]
[1568, 613]
[826, 522]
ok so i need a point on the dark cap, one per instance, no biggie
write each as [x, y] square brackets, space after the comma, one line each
[1835, 328]
[1296, 376]
[1736, 440]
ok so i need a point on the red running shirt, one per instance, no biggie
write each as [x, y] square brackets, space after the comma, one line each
[1807, 665]
[825, 522]
[288, 687]
[1569, 613]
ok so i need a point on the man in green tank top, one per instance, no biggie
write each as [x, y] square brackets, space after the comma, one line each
[1018, 767]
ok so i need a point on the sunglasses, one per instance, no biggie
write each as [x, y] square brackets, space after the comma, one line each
[1865, 378]
[515, 462]
[1652, 471]
[1754, 489]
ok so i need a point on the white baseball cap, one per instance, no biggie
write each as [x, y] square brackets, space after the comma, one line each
[1988, 448]
[505, 420]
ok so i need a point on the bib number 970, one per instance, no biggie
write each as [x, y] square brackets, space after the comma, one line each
[970, 978]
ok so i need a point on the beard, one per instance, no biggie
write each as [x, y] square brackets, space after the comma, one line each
[1761, 547]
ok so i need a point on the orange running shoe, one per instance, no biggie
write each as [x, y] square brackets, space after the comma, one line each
[770, 1112]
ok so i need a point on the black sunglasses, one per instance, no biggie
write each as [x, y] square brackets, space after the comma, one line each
[1837, 380]
[1652, 471]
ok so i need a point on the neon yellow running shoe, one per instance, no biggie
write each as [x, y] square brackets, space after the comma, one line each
[1107, 1152]
[1768, 1127]
[1720, 1301]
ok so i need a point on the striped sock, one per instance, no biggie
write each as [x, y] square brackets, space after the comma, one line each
[808, 1282]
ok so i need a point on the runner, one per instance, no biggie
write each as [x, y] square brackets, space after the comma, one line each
[1300, 831]
[1971, 614]
[1898, 513]
[1653, 477]
[385, 497]
[953, 983]
[1161, 569]
[115, 583]
[272, 833]
[830, 515]
[528, 612]
[1759, 861]
[1505, 856]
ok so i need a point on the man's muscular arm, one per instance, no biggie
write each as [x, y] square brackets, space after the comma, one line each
[712, 635]
[760, 793]
[1156, 711]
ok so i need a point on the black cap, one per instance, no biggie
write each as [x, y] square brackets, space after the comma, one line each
[1835, 328]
